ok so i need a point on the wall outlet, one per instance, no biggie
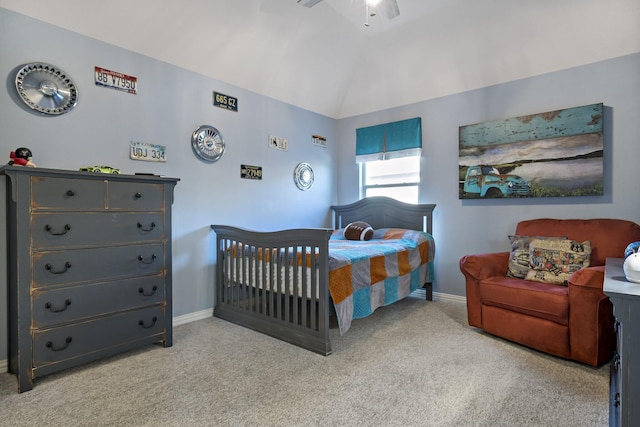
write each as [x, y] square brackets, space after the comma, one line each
[278, 143]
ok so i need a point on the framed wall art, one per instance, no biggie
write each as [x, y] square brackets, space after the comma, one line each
[554, 154]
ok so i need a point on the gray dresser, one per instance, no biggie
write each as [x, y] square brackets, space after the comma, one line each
[88, 264]
[625, 366]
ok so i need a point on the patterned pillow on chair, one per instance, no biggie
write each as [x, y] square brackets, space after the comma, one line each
[519, 255]
[555, 260]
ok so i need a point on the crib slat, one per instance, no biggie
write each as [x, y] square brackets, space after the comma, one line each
[265, 288]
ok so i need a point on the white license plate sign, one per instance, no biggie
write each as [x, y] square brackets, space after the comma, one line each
[115, 80]
[147, 152]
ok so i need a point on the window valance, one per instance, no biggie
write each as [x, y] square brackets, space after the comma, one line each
[389, 141]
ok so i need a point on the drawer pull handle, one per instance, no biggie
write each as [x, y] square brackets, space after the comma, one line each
[616, 400]
[48, 228]
[149, 261]
[70, 193]
[150, 228]
[67, 341]
[153, 322]
[153, 291]
[49, 306]
[67, 265]
[137, 195]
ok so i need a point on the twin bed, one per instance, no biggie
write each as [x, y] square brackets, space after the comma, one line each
[287, 284]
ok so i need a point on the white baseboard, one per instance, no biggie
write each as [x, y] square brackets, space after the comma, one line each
[192, 317]
[204, 314]
[439, 296]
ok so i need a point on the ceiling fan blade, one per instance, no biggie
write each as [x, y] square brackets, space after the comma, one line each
[308, 3]
[389, 8]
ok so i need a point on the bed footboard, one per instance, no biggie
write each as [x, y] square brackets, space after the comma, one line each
[275, 283]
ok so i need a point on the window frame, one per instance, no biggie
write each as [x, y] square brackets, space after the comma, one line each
[364, 186]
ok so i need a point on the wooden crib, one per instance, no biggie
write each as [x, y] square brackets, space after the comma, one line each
[278, 282]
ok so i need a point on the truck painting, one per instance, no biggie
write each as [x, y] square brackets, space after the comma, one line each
[487, 181]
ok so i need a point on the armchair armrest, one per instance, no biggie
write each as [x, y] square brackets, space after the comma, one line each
[591, 319]
[475, 268]
[482, 266]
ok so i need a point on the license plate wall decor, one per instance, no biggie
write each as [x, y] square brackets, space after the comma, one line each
[319, 140]
[278, 143]
[115, 80]
[251, 172]
[147, 152]
[225, 101]
[553, 154]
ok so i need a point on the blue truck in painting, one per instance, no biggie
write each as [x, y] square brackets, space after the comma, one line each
[487, 181]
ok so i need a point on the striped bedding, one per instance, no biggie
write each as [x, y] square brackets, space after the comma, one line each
[366, 275]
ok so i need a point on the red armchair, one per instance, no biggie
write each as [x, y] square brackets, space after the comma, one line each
[574, 321]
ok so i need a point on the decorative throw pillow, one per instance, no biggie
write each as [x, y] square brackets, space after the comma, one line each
[555, 260]
[519, 255]
[358, 230]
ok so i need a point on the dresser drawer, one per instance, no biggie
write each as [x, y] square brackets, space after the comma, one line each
[64, 193]
[97, 228]
[58, 344]
[62, 305]
[135, 196]
[96, 264]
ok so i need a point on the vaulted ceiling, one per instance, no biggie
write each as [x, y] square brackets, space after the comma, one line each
[325, 60]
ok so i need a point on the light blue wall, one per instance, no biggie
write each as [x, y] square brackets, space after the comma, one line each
[472, 226]
[170, 104]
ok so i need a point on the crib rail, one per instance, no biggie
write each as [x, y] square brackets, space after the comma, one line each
[275, 283]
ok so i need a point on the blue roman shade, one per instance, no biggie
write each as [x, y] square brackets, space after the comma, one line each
[389, 141]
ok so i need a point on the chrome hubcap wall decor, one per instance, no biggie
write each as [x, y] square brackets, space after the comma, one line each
[207, 143]
[46, 88]
[303, 176]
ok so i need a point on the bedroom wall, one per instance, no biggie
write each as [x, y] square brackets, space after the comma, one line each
[475, 226]
[170, 104]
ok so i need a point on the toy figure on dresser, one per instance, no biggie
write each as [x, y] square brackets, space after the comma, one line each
[631, 265]
[21, 157]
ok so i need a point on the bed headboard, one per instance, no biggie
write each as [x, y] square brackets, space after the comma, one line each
[385, 212]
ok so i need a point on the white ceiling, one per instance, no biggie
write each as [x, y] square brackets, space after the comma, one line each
[325, 60]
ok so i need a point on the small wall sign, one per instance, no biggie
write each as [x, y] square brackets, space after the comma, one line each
[278, 143]
[225, 101]
[147, 152]
[251, 172]
[319, 140]
[115, 80]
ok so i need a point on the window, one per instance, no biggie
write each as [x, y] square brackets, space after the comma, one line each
[389, 158]
[396, 178]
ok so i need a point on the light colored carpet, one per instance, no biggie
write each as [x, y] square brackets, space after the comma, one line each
[415, 363]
